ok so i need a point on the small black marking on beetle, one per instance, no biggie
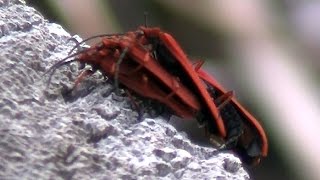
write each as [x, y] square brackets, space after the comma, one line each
[82, 90]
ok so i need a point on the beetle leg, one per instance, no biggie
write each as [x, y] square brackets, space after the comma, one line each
[136, 106]
[73, 39]
[176, 87]
[198, 64]
[71, 94]
[82, 76]
[216, 141]
[135, 69]
[221, 145]
[230, 141]
[224, 99]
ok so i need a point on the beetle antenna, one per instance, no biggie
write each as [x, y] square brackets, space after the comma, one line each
[145, 19]
[90, 38]
[64, 61]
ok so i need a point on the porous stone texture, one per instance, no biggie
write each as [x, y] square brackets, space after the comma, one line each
[94, 136]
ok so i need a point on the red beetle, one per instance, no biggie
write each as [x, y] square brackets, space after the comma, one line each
[238, 129]
[122, 58]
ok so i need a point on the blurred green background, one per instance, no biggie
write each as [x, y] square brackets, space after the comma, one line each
[267, 51]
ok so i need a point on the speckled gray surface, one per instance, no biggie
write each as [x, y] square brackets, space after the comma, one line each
[93, 137]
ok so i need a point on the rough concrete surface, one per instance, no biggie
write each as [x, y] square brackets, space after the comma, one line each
[95, 136]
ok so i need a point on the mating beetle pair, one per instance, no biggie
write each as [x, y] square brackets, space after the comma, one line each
[152, 64]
